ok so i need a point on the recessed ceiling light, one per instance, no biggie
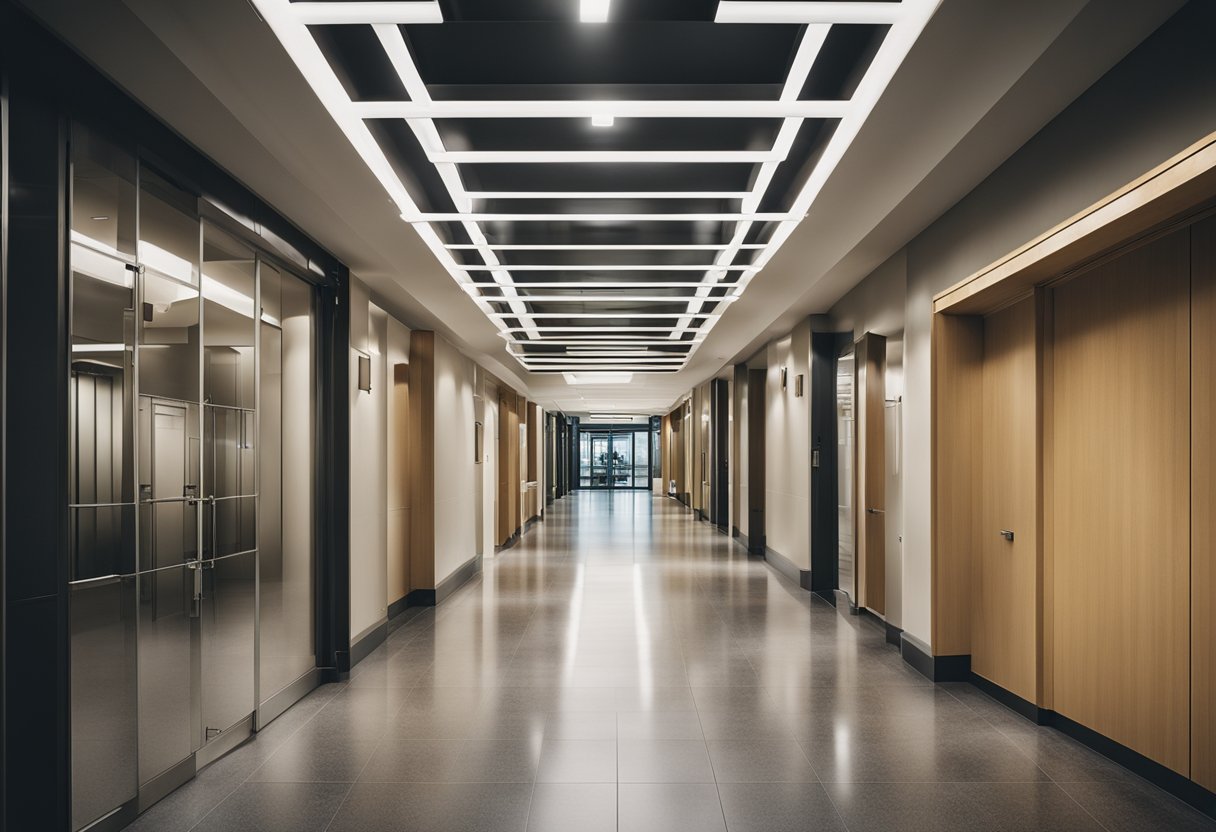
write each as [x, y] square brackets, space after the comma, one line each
[602, 121]
[593, 11]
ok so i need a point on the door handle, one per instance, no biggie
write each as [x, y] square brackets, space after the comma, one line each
[1007, 534]
[875, 511]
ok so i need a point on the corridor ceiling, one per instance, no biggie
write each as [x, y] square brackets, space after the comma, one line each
[603, 178]
[981, 79]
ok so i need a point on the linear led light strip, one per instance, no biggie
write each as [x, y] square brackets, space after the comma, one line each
[288, 22]
[393, 43]
[588, 247]
[615, 267]
[800, 69]
[611, 299]
[743, 108]
[606, 217]
[907, 18]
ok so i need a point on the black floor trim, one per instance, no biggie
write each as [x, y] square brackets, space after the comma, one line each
[1015, 703]
[894, 633]
[362, 648]
[934, 668]
[457, 579]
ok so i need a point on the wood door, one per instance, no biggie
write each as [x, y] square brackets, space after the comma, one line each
[871, 506]
[1203, 500]
[1004, 637]
[1121, 499]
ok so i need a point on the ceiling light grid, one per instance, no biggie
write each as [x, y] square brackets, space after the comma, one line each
[905, 20]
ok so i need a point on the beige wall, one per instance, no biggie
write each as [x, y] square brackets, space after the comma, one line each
[396, 492]
[455, 488]
[368, 467]
[787, 454]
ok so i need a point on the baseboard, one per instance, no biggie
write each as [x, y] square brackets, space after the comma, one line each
[893, 633]
[1015, 703]
[457, 579]
[1164, 778]
[934, 668]
[529, 523]
[511, 541]
[373, 638]
[420, 598]
[788, 568]
[829, 596]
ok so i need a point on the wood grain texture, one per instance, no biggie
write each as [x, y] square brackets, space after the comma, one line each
[1004, 634]
[957, 453]
[871, 455]
[1203, 503]
[1044, 306]
[422, 459]
[1121, 507]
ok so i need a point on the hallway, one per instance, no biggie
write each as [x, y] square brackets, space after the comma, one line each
[627, 667]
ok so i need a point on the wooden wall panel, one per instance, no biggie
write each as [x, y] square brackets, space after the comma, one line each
[1203, 503]
[871, 504]
[1121, 400]
[509, 408]
[422, 460]
[957, 432]
[1004, 635]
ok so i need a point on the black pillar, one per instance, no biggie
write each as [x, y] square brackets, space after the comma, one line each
[36, 776]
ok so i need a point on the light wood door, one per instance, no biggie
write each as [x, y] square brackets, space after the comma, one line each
[1203, 503]
[1121, 500]
[1004, 639]
[871, 394]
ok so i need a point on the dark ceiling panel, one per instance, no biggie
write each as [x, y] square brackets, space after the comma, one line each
[624, 53]
[605, 177]
[360, 62]
[624, 134]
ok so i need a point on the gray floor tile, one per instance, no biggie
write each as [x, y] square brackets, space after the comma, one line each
[1136, 806]
[313, 758]
[663, 761]
[778, 807]
[577, 761]
[276, 807]
[573, 807]
[759, 761]
[669, 807]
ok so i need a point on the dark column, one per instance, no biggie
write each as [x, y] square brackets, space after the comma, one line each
[35, 468]
[333, 477]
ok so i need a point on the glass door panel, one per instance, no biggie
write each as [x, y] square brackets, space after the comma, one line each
[167, 592]
[641, 459]
[229, 573]
[622, 460]
[601, 460]
[846, 438]
[285, 482]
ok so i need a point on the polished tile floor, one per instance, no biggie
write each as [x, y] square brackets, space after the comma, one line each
[626, 667]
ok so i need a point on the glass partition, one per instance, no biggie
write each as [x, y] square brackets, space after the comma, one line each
[614, 458]
[191, 509]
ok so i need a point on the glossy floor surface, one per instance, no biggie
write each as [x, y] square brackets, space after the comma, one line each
[626, 667]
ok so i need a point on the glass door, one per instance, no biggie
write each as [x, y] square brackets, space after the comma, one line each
[845, 456]
[622, 460]
[614, 459]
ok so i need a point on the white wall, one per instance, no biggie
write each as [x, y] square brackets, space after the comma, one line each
[368, 466]
[787, 455]
[397, 539]
[455, 488]
[489, 467]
